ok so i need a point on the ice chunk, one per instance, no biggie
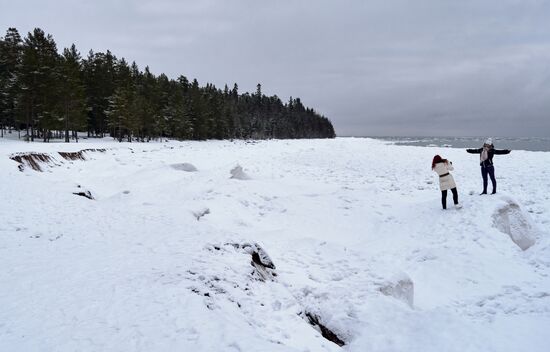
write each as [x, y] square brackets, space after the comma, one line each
[511, 220]
[184, 167]
[238, 173]
[401, 287]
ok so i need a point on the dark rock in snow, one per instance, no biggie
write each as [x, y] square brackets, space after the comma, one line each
[327, 333]
[262, 263]
[260, 257]
[85, 194]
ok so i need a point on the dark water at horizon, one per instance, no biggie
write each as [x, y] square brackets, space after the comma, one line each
[538, 144]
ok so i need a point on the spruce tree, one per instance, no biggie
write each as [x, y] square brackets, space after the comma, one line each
[39, 78]
[10, 61]
[72, 92]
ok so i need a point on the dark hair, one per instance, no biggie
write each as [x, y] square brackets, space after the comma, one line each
[437, 159]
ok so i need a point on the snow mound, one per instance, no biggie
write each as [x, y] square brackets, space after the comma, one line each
[198, 214]
[400, 287]
[238, 173]
[510, 219]
[184, 167]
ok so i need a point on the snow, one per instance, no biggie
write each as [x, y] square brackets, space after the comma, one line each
[350, 231]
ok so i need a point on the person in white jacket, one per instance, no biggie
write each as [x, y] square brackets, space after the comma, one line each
[446, 181]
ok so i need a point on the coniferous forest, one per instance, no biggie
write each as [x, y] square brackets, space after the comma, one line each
[46, 94]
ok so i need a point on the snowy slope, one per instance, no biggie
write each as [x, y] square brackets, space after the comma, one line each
[160, 259]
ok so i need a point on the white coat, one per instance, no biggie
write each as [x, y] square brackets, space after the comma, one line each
[445, 182]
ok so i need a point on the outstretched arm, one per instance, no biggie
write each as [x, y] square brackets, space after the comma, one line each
[501, 151]
[474, 151]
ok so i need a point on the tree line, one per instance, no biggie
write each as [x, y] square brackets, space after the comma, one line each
[46, 94]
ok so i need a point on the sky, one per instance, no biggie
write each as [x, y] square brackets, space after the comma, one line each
[374, 68]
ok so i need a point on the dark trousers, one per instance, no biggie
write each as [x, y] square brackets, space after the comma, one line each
[488, 170]
[444, 197]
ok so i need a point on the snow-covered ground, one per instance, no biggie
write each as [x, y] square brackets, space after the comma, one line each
[160, 259]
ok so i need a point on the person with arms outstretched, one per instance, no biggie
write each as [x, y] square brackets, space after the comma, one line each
[486, 154]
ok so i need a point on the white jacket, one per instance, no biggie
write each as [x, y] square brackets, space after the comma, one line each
[445, 182]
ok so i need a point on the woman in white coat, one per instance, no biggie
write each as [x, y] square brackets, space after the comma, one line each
[446, 181]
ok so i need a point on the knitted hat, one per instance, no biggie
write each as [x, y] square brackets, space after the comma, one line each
[489, 141]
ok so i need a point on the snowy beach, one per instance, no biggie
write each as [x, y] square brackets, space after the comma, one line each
[349, 233]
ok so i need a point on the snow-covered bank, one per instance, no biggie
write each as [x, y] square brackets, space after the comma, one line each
[160, 259]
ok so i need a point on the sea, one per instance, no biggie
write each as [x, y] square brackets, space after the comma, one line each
[538, 144]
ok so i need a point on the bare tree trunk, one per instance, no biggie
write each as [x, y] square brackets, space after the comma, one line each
[27, 125]
[119, 131]
[67, 123]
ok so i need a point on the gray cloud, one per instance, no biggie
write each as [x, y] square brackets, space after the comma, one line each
[430, 67]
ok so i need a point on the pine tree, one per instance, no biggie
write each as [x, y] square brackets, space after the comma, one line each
[120, 113]
[10, 60]
[39, 78]
[72, 92]
[196, 112]
[99, 77]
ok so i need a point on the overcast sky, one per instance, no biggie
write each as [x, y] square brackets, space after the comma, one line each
[377, 67]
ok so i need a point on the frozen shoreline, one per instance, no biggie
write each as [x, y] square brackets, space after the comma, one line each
[534, 144]
[151, 264]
